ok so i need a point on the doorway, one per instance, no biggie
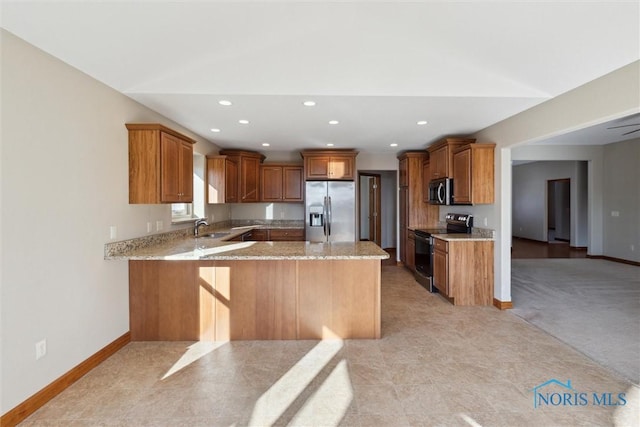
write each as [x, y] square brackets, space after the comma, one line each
[559, 210]
[370, 207]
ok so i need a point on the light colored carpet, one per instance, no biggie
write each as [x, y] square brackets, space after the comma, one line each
[592, 305]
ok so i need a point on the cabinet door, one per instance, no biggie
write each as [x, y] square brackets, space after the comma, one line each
[441, 271]
[186, 172]
[216, 179]
[286, 234]
[260, 235]
[426, 177]
[341, 168]
[317, 168]
[292, 184]
[404, 207]
[411, 251]
[462, 177]
[231, 180]
[438, 163]
[176, 172]
[271, 184]
[250, 179]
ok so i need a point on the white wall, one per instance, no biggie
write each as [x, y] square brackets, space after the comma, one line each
[622, 195]
[64, 183]
[529, 199]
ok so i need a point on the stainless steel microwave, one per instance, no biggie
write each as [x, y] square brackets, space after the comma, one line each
[440, 191]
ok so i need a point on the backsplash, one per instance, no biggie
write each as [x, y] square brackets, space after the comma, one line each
[267, 211]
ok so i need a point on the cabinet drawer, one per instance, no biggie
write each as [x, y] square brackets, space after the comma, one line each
[441, 245]
[286, 234]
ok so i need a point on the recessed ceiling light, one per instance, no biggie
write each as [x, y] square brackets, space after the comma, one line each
[329, 145]
[333, 122]
[393, 144]
[422, 122]
[265, 144]
[215, 130]
[224, 102]
[309, 103]
[243, 122]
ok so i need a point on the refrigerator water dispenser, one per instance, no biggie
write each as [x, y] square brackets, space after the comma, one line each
[316, 216]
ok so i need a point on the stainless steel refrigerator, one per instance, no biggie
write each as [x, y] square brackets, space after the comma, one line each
[330, 212]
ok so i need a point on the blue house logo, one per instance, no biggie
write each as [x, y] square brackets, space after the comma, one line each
[545, 398]
[568, 396]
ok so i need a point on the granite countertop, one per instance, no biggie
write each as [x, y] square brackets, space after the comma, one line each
[465, 237]
[219, 248]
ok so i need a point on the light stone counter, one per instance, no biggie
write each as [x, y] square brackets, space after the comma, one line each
[207, 248]
[465, 237]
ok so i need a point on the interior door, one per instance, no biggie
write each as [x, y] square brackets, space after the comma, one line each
[375, 224]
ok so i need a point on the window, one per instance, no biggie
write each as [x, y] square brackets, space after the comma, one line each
[181, 211]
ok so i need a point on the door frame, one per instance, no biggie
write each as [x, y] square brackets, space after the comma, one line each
[377, 228]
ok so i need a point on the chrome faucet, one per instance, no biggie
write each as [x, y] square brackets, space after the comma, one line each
[196, 226]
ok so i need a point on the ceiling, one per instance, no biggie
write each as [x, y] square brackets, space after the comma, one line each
[376, 67]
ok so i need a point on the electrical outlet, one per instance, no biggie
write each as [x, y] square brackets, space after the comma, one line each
[633, 248]
[41, 349]
[158, 225]
[113, 232]
[281, 214]
[149, 227]
[615, 213]
[486, 222]
[213, 217]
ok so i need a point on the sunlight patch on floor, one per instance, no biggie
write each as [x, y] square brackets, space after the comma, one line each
[275, 401]
[193, 353]
[330, 402]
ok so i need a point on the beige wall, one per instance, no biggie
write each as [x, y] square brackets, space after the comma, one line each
[612, 96]
[64, 183]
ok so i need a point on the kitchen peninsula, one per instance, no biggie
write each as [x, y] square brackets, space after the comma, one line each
[207, 288]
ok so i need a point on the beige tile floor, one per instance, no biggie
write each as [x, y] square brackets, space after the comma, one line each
[436, 365]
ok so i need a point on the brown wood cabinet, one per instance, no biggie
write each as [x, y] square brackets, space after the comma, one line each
[281, 183]
[441, 156]
[473, 174]
[463, 271]
[277, 234]
[160, 165]
[260, 235]
[411, 250]
[216, 179]
[414, 211]
[254, 300]
[321, 165]
[286, 234]
[242, 175]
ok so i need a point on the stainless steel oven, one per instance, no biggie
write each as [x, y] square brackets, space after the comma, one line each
[456, 223]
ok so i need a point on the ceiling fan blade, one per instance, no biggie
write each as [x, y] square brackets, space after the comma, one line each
[627, 133]
[624, 126]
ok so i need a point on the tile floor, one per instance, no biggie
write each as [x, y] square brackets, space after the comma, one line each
[436, 365]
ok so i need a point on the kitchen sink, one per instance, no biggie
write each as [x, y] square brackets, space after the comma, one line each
[217, 235]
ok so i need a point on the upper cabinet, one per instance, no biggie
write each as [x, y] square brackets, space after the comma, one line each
[242, 176]
[281, 183]
[160, 165]
[441, 156]
[473, 174]
[322, 165]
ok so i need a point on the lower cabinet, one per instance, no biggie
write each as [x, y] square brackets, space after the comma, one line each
[276, 235]
[411, 251]
[463, 271]
[254, 300]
